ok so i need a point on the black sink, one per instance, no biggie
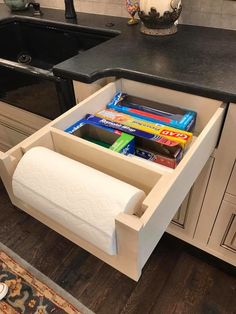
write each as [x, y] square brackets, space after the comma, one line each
[44, 45]
[28, 51]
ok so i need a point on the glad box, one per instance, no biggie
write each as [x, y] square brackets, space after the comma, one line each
[175, 135]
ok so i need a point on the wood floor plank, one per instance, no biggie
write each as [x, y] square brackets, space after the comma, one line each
[221, 295]
[68, 269]
[119, 289]
[102, 287]
[83, 276]
[189, 287]
[157, 271]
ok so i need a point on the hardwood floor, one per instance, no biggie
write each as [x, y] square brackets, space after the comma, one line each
[176, 279]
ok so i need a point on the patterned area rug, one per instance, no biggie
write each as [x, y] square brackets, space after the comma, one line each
[30, 292]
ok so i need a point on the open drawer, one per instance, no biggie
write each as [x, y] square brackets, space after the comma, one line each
[137, 235]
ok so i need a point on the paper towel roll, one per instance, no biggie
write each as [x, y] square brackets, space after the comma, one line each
[82, 199]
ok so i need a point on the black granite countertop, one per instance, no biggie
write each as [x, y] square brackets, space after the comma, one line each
[197, 60]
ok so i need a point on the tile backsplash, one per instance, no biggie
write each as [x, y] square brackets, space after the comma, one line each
[214, 13]
[107, 7]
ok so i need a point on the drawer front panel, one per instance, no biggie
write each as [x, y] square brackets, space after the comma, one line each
[223, 237]
[231, 188]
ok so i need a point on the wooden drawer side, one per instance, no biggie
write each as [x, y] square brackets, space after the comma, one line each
[166, 197]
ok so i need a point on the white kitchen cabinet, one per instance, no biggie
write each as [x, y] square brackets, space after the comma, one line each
[223, 236]
[221, 173]
[185, 221]
[17, 124]
[231, 188]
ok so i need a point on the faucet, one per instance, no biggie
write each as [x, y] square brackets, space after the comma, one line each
[70, 9]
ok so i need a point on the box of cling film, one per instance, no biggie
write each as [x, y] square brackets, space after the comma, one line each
[114, 140]
[184, 138]
[124, 144]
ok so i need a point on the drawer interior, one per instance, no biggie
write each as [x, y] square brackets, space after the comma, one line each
[205, 108]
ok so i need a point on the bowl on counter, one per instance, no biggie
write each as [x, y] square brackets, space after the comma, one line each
[16, 5]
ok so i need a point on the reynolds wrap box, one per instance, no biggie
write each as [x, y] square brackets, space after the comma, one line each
[182, 137]
[114, 140]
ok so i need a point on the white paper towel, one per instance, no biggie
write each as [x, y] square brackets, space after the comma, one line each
[82, 199]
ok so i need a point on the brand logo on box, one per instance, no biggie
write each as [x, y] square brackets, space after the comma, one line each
[174, 134]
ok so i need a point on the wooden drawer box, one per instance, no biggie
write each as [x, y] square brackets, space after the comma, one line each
[138, 235]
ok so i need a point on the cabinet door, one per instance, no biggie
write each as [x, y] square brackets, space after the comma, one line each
[9, 137]
[17, 124]
[223, 237]
[181, 215]
[231, 188]
[222, 169]
[184, 223]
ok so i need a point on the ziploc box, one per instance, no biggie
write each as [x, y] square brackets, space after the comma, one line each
[182, 137]
[153, 156]
[175, 117]
[114, 140]
[168, 152]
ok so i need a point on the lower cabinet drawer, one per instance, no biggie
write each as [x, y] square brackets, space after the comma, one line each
[136, 235]
[223, 237]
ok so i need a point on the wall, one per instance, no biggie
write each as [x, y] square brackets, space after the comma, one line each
[107, 7]
[215, 13]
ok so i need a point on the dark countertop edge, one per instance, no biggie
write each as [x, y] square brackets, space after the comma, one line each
[149, 79]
